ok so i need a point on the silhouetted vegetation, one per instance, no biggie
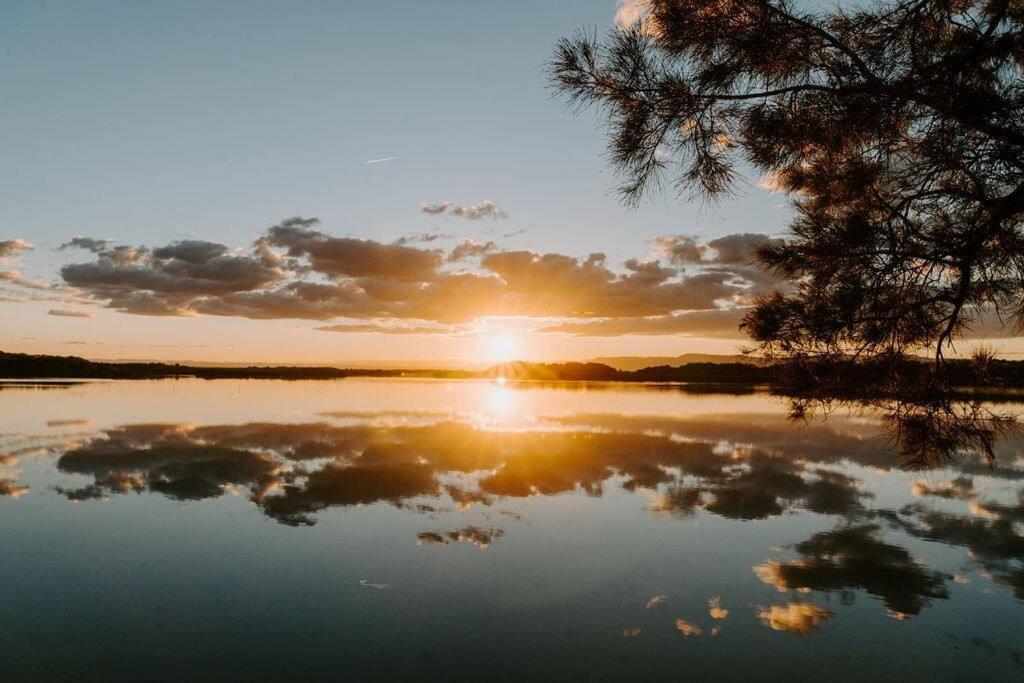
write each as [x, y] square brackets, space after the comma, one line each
[895, 128]
[22, 365]
[724, 373]
[837, 379]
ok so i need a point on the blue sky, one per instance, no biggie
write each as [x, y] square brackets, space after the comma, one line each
[148, 122]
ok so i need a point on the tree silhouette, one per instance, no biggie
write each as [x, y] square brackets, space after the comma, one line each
[897, 131]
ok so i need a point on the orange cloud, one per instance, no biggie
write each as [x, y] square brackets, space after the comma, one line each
[13, 248]
[294, 270]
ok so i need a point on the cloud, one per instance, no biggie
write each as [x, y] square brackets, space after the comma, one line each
[68, 423]
[473, 212]
[168, 280]
[295, 270]
[422, 237]
[377, 328]
[736, 249]
[68, 313]
[426, 207]
[468, 248]
[679, 248]
[731, 255]
[628, 13]
[722, 322]
[13, 248]
[88, 243]
[337, 257]
[484, 209]
[14, 278]
[558, 285]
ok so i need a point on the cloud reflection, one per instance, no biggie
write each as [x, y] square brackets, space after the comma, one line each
[745, 467]
[856, 557]
[802, 618]
[294, 471]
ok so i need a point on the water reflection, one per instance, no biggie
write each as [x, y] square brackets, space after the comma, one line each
[293, 471]
[990, 532]
[802, 618]
[740, 468]
[855, 557]
[684, 528]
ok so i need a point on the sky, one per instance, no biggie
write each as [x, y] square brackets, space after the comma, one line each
[292, 181]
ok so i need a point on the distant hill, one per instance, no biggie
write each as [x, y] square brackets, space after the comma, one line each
[414, 364]
[641, 362]
[21, 366]
[724, 373]
[26, 366]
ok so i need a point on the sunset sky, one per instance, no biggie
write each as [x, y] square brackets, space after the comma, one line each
[335, 181]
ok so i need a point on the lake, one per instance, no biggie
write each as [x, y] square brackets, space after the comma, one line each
[471, 530]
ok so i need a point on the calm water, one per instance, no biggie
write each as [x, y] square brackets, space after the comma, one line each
[468, 530]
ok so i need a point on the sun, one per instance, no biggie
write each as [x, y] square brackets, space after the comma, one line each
[503, 346]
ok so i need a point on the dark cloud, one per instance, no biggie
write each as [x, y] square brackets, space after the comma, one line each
[191, 251]
[168, 280]
[68, 313]
[736, 249]
[378, 328]
[423, 237]
[680, 249]
[473, 212]
[67, 423]
[338, 257]
[468, 248]
[88, 243]
[731, 255]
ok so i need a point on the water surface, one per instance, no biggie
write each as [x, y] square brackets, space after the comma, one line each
[391, 529]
